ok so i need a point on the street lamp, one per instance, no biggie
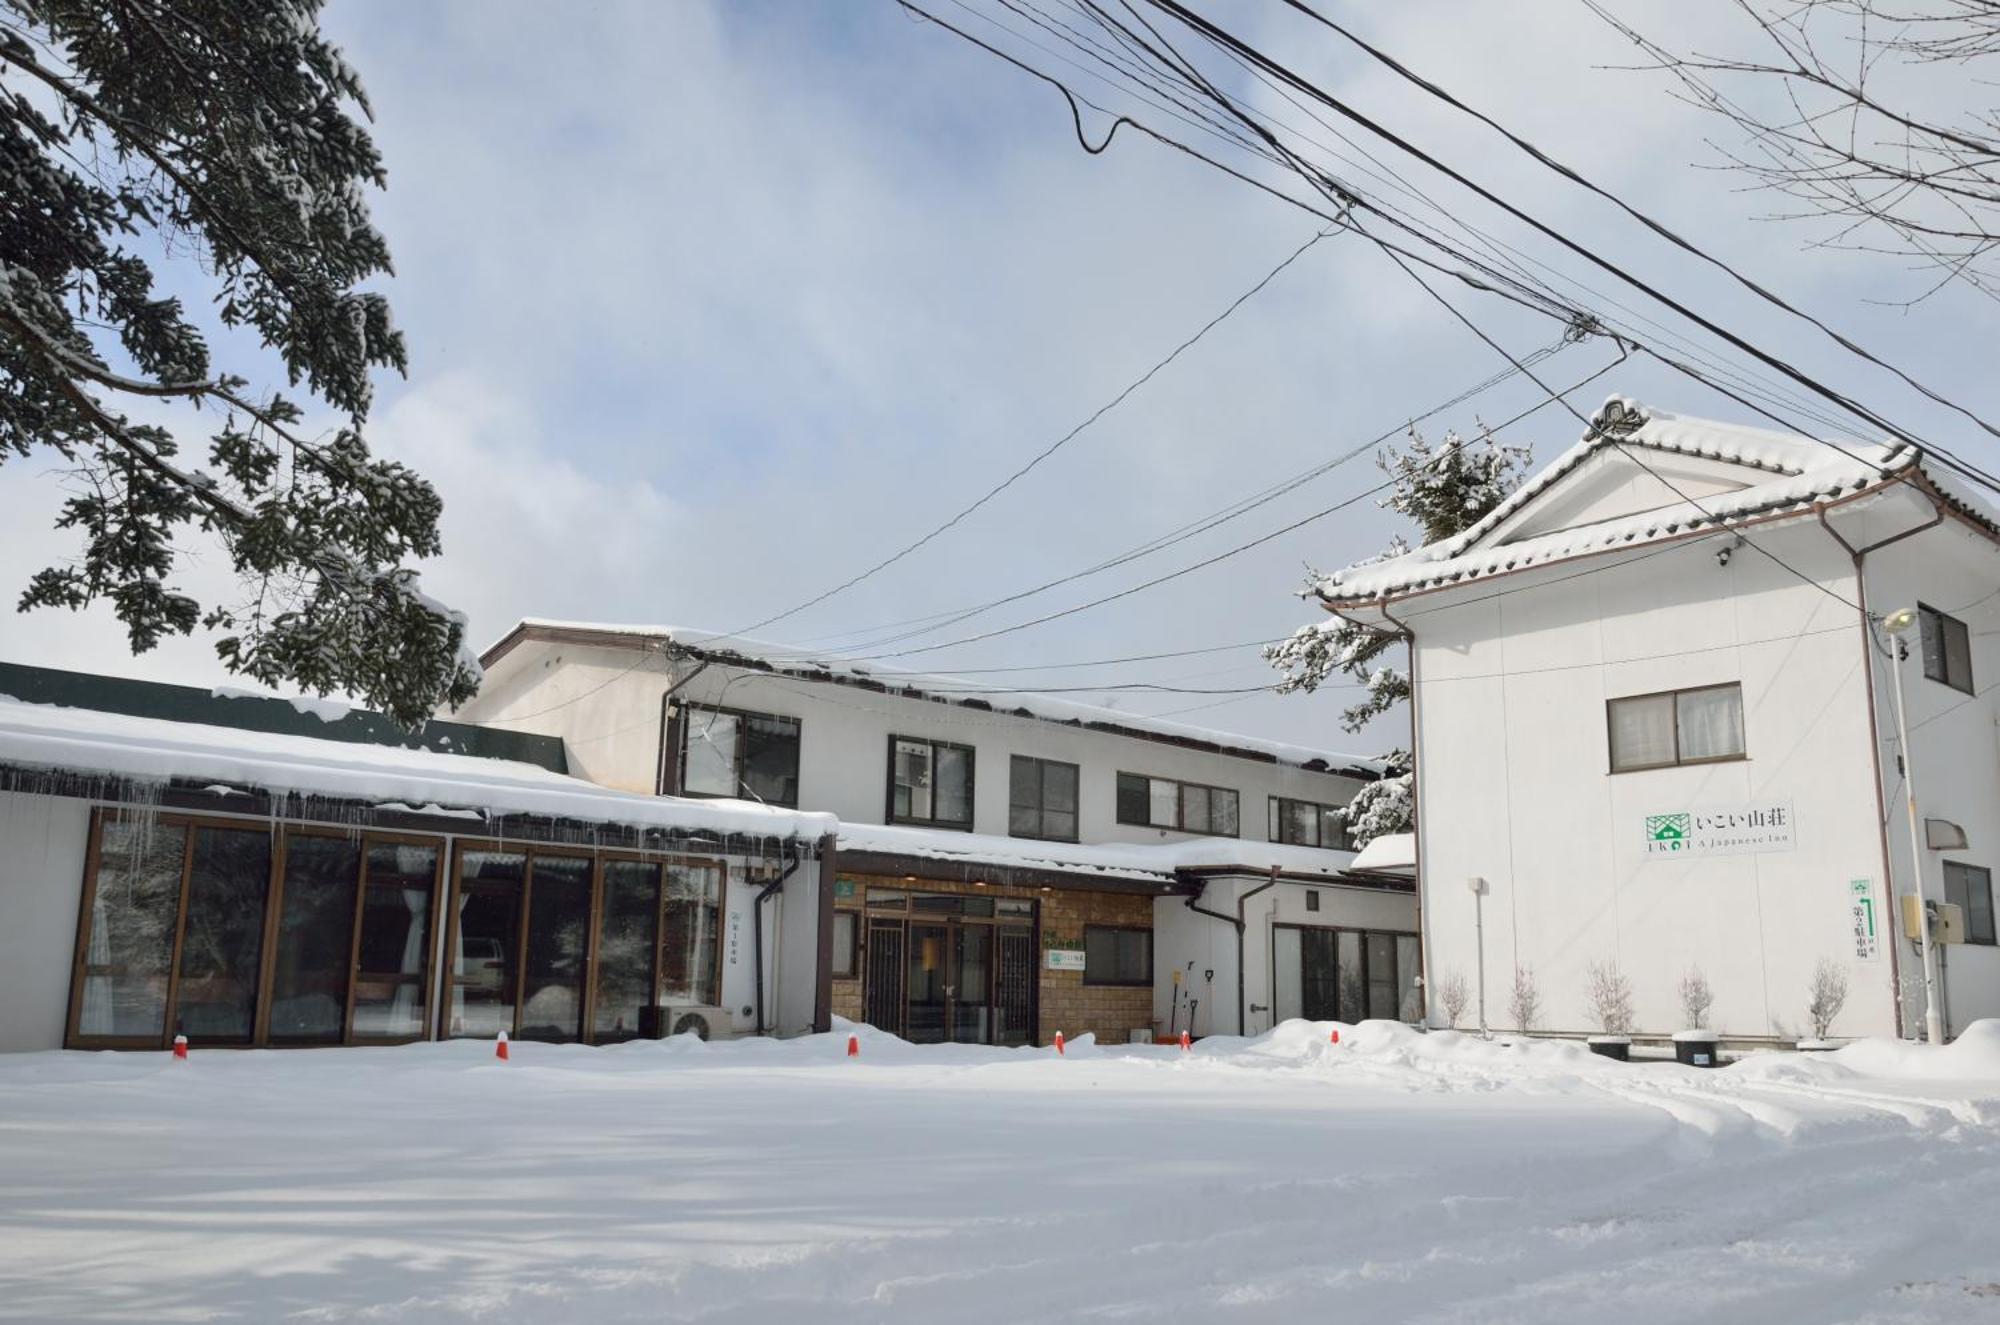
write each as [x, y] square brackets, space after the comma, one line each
[1898, 623]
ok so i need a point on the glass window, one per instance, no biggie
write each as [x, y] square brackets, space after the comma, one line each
[133, 909]
[628, 944]
[1642, 732]
[1349, 987]
[930, 782]
[1308, 824]
[754, 756]
[845, 930]
[222, 937]
[912, 797]
[1679, 727]
[1947, 646]
[1710, 723]
[1970, 888]
[1114, 956]
[690, 935]
[1185, 806]
[1133, 793]
[485, 964]
[552, 970]
[712, 751]
[391, 984]
[315, 939]
[1042, 799]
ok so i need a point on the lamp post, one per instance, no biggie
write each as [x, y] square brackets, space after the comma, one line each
[1898, 623]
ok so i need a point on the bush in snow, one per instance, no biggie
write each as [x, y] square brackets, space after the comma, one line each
[1829, 996]
[1454, 993]
[1611, 998]
[1696, 999]
[1524, 1001]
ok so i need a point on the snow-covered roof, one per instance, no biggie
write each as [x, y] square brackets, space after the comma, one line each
[1149, 861]
[805, 665]
[1391, 853]
[1777, 472]
[46, 737]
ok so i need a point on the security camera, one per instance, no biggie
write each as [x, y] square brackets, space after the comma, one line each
[1723, 554]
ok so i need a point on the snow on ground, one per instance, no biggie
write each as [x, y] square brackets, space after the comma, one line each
[1396, 1177]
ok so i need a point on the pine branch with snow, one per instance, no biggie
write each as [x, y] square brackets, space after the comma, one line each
[229, 135]
[1443, 489]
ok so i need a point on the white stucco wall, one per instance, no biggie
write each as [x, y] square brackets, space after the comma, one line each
[608, 715]
[43, 840]
[1182, 936]
[1954, 740]
[1515, 786]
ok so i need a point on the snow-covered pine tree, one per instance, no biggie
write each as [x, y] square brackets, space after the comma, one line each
[214, 135]
[1443, 490]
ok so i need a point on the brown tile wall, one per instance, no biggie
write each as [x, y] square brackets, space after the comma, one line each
[1063, 1001]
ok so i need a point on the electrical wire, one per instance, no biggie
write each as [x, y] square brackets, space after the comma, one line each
[1049, 450]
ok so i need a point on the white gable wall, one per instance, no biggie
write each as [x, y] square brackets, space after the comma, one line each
[1611, 484]
[1516, 788]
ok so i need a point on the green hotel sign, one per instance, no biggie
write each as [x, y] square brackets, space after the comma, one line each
[1721, 830]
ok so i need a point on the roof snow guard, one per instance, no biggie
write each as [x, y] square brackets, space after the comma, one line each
[780, 660]
[1785, 473]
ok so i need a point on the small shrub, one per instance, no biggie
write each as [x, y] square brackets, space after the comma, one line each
[1524, 1001]
[1696, 999]
[1454, 993]
[1829, 995]
[1611, 998]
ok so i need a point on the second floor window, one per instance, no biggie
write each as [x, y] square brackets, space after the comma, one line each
[1186, 806]
[1700, 726]
[1041, 799]
[1308, 824]
[1947, 648]
[930, 782]
[754, 756]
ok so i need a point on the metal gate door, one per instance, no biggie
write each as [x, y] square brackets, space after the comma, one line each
[883, 1003]
[1014, 988]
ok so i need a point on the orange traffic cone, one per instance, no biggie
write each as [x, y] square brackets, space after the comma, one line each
[1059, 1042]
[1336, 1036]
[1187, 1042]
[854, 1046]
[500, 1047]
[181, 1047]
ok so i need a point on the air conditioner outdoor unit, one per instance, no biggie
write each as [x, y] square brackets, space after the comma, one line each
[709, 1023]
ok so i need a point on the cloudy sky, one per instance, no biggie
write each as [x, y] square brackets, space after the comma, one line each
[711, 306]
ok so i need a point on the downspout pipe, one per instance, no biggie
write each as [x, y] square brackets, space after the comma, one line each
[757, 930]
[1240, 924]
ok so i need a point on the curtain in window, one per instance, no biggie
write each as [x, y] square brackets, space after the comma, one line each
[1642, 731]
[712, 740]
[954, 785]
[1711, 723]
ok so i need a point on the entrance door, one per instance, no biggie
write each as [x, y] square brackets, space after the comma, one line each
[928, 984]
[971, 988]
[882, 1003]
[1014, 988]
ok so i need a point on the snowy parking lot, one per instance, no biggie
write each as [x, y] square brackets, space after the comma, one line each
[1395, 1177]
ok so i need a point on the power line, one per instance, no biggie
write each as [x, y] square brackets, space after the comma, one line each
[1240, 548]
[1049, 450]
[1225, 40]
[937, 621]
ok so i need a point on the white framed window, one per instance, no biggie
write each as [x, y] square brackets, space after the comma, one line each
[1703, 725]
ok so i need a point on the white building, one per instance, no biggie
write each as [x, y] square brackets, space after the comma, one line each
[252, 871]
[1654, 719]
[1009, 865]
